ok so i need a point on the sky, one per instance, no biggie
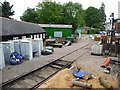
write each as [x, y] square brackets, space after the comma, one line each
[21, 5]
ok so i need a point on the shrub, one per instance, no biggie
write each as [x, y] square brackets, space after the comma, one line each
[93, 31]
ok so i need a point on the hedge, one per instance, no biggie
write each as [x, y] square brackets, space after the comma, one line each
[93, 31]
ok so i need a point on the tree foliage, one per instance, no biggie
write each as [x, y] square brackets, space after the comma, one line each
[102, 15]
[7, 9]
[30, 15]
[92, 17]
[95, 17]
[51, 12]
[73, 13]
[102, 12]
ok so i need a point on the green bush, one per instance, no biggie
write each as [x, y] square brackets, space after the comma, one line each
[83, 32]
[93, 31]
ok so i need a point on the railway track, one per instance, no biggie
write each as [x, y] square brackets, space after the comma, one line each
[33, 79]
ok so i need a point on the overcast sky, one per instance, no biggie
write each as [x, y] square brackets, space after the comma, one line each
[21, 5]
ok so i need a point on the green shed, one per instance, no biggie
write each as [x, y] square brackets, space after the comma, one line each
[57, 30]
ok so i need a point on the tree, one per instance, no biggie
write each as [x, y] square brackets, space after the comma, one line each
[49, 12]
[73, 13]
[7, 9]
[103, 16]
[30, 15]
[92, 17]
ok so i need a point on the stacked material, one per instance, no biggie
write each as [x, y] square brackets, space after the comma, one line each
[97, 49]
[8, 48]
[111, 45]
[117, 26]
[24, 48]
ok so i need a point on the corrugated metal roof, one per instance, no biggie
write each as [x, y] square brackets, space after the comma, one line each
[14, 27]
[56, 25]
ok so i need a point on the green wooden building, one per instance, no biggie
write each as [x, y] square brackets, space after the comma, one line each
[57, 30]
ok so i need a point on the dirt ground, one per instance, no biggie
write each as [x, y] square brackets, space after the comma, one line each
[87, 63]
[63, 80]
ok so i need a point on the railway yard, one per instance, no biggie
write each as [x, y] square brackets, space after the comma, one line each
[59, 44]
[56, 70]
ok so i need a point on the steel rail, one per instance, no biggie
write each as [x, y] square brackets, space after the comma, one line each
[36, 86]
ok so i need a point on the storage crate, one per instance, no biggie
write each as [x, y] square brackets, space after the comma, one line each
[17, 46]
[41, 42]
[2, 60]
[8, 48]
[26, 49]
[97, 49]
[37, 45]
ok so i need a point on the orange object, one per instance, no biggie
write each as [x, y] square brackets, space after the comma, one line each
[106, 63]
[96, 38]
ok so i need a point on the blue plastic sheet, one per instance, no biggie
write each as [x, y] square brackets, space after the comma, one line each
[79, 74]
[16, 58]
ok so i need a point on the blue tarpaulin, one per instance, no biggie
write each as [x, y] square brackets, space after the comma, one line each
[79, 74]
[16, 58]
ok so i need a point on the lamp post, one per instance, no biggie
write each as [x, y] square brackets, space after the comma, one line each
[112, 15]
[110, 34]
[111, 31]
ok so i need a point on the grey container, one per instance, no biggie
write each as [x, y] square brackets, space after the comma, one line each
[2, 60]
[8, 48]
